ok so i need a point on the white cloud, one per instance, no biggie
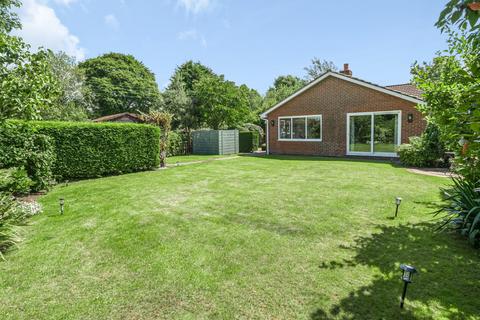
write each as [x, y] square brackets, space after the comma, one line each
[42, 28]
[65, 2]
[192, 34]
[111, 21]
[195, 6]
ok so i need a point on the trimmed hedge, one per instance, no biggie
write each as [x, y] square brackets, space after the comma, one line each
[249, 141]
[89, 150]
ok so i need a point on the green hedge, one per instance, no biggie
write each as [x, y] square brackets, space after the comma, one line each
[88, 150]
[249, 141]
[177, 143]
[24, 149]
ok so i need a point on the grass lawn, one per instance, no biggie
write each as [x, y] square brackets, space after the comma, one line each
[193, 158]
[279, 237]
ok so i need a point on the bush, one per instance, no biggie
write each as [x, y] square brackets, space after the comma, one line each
[462, 212]
[22, 147]
[13, 215]
[88, 150]
[177, 143]
[424, 151]
[15, 180]
[248, 141]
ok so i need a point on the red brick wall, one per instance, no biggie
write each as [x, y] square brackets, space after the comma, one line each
[333, 98]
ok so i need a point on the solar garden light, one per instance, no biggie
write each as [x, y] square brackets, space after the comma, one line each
[407, 276]
[398, 200]
[62, 204]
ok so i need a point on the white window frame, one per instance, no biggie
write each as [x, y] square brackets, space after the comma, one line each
[372, 115]
[306, 132]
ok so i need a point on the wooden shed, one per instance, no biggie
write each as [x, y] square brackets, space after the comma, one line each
[215, 142]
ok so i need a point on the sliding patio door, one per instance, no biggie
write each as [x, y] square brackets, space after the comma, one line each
[373, 133]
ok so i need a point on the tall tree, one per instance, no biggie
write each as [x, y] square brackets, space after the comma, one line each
[222, 103]
[255, 101]
[451, 85]
[318, 67]
[27, 84]
[120, 83]
[283, 86]
[179, 104]
[75, 99]
[191, 72]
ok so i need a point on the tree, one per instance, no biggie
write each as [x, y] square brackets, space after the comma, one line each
[189, 116]
[464, 14]
[319, 67]
[189, 73]
[451, 85]
[120, 83]
[27, 84]
[75, 98]
[222, 103]
[8, 19]
[179, 104]
[283, 86]
[255, 101]
[164, 121]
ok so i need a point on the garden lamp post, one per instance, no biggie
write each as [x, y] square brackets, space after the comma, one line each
[62, 204]
[407, 276]
[398, 200]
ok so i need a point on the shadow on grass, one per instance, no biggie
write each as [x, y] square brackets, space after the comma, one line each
[448, 280]
[393, 161]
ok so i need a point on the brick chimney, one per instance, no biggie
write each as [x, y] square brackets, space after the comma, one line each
[346, 71]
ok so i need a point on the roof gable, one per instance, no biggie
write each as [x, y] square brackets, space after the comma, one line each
[116, 116]
[356, 81]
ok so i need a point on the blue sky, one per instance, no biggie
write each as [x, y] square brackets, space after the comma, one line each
[248, 41]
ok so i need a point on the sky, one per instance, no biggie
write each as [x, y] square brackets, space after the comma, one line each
[249, 41]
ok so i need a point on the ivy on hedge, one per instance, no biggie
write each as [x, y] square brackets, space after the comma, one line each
[89, 150]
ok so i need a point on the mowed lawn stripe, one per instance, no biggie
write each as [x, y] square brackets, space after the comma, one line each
[276, 237]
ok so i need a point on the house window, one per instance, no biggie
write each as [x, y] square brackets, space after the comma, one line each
[373, 133]
[285, 128]
[300, 128]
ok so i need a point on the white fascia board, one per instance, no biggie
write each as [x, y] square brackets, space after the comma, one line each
[346, 78]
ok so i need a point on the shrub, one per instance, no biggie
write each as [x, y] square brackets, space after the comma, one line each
[15, 180]
[177, 143]
[88, 150]
[462, 212]
[248, 141]
[21, 146]
[424, 151]
[13, 216]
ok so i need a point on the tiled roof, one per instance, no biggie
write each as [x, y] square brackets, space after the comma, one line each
[407, 88]
[116, 116]
[403, 91]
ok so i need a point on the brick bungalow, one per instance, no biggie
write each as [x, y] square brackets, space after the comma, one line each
[339, 115]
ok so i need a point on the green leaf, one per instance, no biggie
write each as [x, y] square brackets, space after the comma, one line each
[472, 238]
[455, 16]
